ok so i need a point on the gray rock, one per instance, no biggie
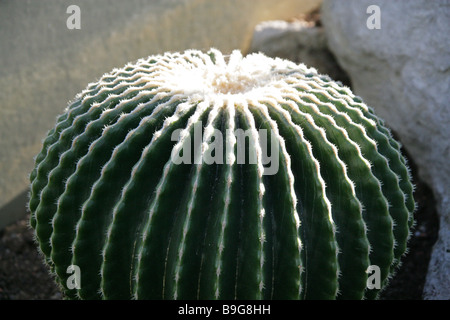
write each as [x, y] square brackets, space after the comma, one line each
[299, 41]
[402, 70]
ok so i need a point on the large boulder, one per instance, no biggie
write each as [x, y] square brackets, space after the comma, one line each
[301, 41]
[397, 54]
[46, 60]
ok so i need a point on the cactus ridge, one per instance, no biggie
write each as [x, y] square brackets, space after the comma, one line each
[107, 195]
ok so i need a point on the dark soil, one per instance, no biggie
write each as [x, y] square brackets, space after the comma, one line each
[23, 275]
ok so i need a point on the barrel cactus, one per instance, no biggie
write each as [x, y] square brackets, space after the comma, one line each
[158, 183]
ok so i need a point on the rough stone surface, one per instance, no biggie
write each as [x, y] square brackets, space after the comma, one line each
[403, 71]
[300, 41]
[44, 64]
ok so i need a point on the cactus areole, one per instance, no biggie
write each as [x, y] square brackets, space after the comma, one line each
[198, 175]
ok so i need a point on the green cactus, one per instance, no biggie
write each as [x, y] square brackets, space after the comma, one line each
[113, 194]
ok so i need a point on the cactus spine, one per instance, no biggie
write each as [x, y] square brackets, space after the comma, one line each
[107, 196]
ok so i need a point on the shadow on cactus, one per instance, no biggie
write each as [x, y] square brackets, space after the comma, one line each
[201, 176]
